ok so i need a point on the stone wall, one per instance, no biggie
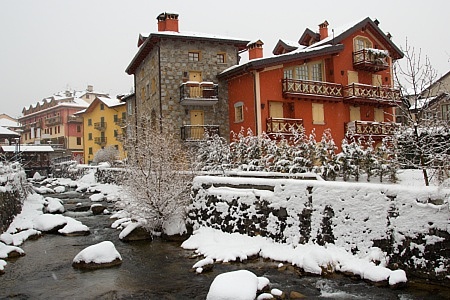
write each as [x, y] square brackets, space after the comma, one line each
[409, 224]
[10, 206]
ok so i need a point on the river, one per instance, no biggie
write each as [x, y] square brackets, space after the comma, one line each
[160, 270]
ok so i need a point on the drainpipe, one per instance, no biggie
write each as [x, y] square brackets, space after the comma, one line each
[257, 100]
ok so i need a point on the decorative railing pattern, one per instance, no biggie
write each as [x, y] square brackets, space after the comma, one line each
[74, 119]
[100, 126]
[366, 128]
[337, 92]
[198, 132]
[120, 122]
[312, 87]
[283, 125]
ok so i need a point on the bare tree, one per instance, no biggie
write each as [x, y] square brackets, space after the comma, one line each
[108, 154]
[159, 176]
[422, 128]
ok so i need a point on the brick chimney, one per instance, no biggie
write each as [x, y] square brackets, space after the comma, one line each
[323, 30]
[168, 22]
[255, 49]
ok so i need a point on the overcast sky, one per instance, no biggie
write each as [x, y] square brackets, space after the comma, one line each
[48, 46]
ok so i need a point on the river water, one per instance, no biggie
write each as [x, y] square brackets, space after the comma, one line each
[159, 270]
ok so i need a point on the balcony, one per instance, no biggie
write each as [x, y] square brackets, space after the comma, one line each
[100, 141]
[198, 132]
[199, 93]
[53, 121]
[100, 126]
[377, 130]
[311, 89]
[74, 119]
[355, 93]
[283, 126]
[371, 60]
[120, 122]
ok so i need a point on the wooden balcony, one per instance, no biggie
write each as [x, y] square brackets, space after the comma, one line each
[283, 126]
[311, 89]
[377, 130]
[56, 120]
[354, 93]
[198, 132]
[100, 126]
[100, 140]
[361, 93]
[199, 93]
[371, 60]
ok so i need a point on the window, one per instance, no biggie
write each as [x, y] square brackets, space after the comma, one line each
[90, 151]
[116, 118]
[124, 115]
[102, 106]
[221, 58]
[153, 85]
[238, 112]
[318, 114]
[362, 43]
[78, 140]
[311, 71]
[445, 110]
[90, 136]
[78, 128]
[116, 133]
[194, 56]
[89, 122]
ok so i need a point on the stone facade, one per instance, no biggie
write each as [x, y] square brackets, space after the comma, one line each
[10, 206]
[160, 75]
[410, 227]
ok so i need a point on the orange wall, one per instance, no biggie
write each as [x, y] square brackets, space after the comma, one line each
[241, 89]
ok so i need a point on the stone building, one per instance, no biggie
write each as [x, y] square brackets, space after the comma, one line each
[175, 78]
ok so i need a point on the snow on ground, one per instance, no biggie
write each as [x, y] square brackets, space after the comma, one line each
[224, 247]
[100, 253]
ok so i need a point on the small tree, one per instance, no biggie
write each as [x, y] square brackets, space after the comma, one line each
[159, 177]
[213, 154]
[326, 156]
[108, 154]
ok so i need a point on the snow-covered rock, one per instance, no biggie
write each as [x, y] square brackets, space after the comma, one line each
[134, 231]
[53, 206]
[97, 209]
[74, 228]
[49, 223]
[59, 189]
[7, 251]
[97, 197]
[237, 285]
[101, 255]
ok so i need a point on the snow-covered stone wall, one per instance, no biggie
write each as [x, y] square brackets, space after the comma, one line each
[411, 225]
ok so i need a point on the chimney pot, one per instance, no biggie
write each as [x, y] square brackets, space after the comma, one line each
[255, 49]
[323, 30]
[168, 22]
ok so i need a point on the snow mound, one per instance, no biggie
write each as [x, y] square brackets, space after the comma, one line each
[237, 285]
[53, 205]
[104, 252]
[73, 226]
[48, 222]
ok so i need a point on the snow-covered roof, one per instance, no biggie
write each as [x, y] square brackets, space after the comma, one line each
[110, 102]
[6, 132]
[28, 148]
[9, 123]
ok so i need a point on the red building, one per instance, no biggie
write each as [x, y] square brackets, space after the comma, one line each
[342, 80]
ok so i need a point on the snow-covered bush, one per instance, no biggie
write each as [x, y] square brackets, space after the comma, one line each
[108, 154]
[159, 177]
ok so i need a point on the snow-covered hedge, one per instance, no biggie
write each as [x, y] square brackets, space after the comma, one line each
[409, 224]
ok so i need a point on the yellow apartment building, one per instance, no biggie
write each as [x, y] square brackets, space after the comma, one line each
[103, 123]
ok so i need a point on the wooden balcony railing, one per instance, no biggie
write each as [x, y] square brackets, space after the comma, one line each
[374, 129]
[53, 121]
[311, 88]
[370, 93]
[283, 125]
[100, 140]
[355, 92]
[198, 132]
[120, 122]
[372, 60]
[199, 93]
[100, 126]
